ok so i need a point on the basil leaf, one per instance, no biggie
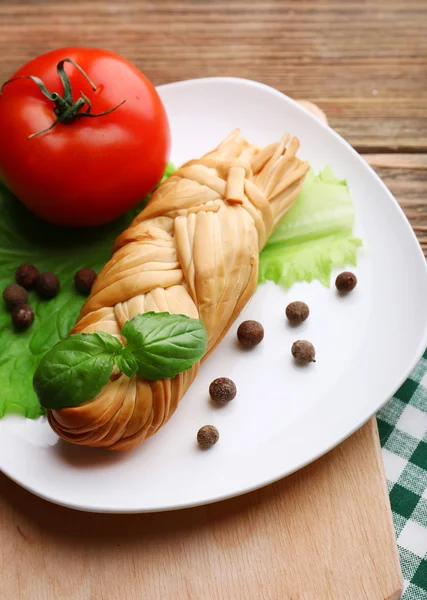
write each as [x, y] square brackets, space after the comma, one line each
[111, 343]
[164, 344]
[126, 362]
[75, 369]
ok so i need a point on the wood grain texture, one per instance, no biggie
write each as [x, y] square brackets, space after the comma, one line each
[324, 533]
[406, 177]
[363, 62]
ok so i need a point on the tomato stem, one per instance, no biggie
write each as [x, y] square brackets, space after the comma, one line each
[66, 109]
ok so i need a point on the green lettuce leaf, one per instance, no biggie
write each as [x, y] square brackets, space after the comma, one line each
[26, 239]
[314, 237]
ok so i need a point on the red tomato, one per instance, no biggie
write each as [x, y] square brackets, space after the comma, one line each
[85, 171]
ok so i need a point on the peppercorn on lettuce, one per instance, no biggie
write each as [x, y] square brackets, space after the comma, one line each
[193, 250]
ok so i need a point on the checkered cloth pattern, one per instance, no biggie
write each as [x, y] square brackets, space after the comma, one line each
[402, 425]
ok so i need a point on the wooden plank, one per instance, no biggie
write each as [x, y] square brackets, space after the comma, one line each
[365, 63]
[406, 177]
[324, 532]
[380, 123]
[414, 162]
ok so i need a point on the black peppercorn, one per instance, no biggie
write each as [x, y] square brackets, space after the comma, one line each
[84, 280]
[15, 294]
[303, 351]
[47, 285]
[222, 390]
[297, 312]
[207, 436]
[22, 316]
[345, 282]
[250, 333]
[26, 275]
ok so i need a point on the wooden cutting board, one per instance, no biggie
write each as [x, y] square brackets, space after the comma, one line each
[324, 533]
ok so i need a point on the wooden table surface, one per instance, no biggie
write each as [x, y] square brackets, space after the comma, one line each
[363, 62]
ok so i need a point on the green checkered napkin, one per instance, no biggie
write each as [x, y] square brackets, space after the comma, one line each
[402, 424]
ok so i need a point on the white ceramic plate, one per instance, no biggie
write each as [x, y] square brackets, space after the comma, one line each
[284, 416]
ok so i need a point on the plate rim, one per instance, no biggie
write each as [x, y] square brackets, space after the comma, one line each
[416, 355]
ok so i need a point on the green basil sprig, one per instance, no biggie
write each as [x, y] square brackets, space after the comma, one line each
[75, 369]
[163, 344]
[158, 346]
